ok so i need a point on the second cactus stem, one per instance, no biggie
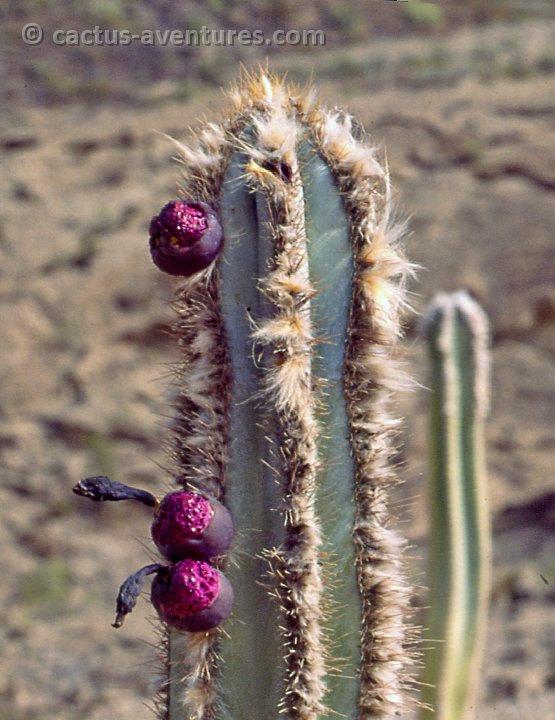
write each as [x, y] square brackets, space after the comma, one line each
[283, 412]
[457, 331]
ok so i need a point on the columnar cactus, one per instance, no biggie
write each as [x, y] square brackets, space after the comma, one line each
[457, 330]
[282, 398]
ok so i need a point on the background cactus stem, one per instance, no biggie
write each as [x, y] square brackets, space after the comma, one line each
[283, 411]
[458, 335]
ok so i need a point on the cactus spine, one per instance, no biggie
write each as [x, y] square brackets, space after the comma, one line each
[457, 331]
[282, 396]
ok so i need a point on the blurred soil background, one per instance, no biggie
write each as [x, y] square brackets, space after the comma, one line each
[462, 94]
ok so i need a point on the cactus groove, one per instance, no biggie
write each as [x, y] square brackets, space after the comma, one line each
[283, 411]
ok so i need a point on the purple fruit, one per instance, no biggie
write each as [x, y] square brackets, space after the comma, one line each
[191, 525]
[192, 596]
[185, 237]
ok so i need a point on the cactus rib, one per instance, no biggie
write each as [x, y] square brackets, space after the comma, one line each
[373, 374]
[201, 396]
[288, 385]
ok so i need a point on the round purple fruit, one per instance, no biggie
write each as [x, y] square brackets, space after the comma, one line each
[191, 525]
[192, 596]
[185, 237]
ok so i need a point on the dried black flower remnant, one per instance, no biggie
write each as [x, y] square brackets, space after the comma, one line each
[100, 488]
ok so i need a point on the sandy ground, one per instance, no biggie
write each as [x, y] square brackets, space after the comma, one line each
[84, 352]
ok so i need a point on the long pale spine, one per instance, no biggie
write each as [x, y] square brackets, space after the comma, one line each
[457, 332]
[283, 403]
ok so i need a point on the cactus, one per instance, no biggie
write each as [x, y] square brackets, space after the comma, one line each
[282, 396]
[457, 331]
